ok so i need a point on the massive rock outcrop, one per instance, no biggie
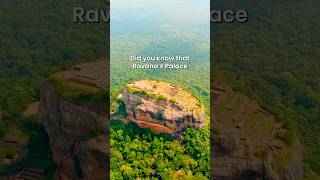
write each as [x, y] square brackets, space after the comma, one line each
[76, 129]
[248, 143]
[162, 107]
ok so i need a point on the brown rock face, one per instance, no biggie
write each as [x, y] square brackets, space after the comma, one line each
[246, 143]
[77, 135]
[161, 107]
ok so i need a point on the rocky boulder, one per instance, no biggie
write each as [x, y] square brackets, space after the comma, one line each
[248, 142]
[162, 107]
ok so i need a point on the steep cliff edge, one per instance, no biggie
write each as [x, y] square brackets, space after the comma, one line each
[162, 107]
[76, 124]
[249, 143]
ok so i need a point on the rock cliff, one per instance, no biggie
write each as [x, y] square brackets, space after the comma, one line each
[248, 142]
[76, 129]
[162, 107]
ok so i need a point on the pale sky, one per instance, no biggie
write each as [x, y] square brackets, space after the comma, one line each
[190, 10]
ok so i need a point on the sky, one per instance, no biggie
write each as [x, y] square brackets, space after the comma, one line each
[158, 11]
[173, 9]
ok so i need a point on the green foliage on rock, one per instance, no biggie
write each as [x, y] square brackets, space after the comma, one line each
[147, 94]
[77, 94]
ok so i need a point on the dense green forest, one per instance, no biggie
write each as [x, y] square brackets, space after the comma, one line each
[36, 39]
[274, 58]
[137, 153]
[166, 42]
